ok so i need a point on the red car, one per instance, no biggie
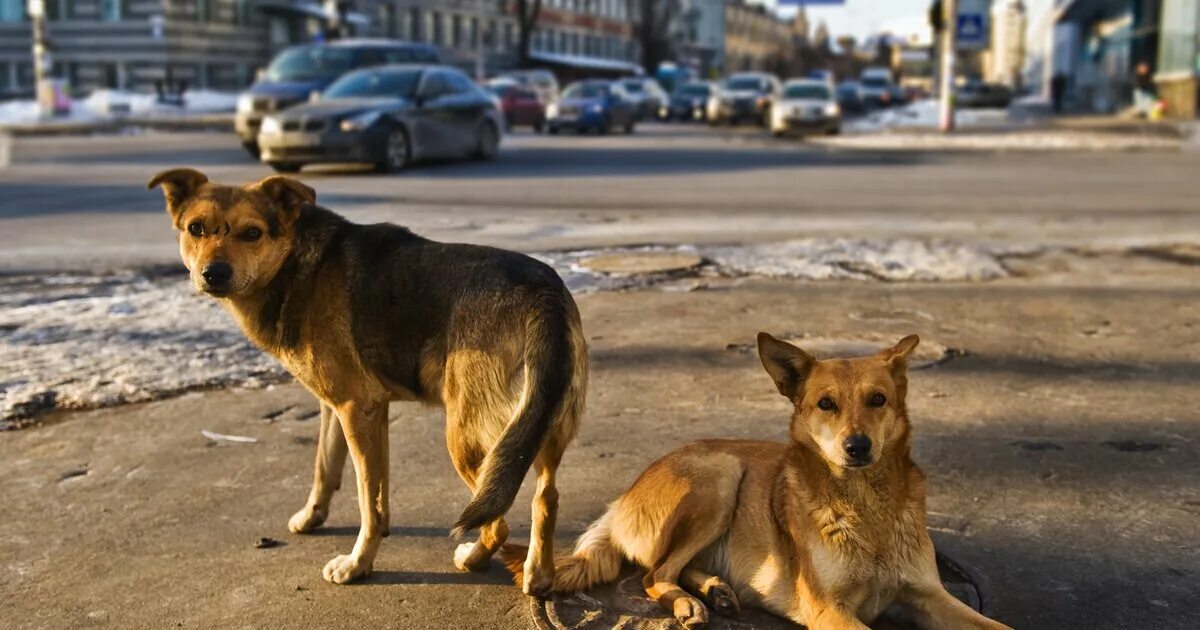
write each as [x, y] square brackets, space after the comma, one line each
[519, 105]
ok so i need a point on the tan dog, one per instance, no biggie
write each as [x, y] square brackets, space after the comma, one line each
[363, 315]
[827, 530]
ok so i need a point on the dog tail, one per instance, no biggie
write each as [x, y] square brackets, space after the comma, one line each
[555, 377]
[596, 559]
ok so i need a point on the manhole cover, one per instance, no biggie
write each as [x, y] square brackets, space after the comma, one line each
[634, 263]
[624, 605]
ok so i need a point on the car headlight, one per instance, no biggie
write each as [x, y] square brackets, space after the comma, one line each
[761, 101]
[832, 109]
[596, 108]
[552, 110]
[245, 104]
[359, 122]
[270, 125]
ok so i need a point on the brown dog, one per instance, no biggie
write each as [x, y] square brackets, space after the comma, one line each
[827, 530]
[363, 315]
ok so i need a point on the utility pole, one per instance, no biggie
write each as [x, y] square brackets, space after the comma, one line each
[949, 42]
[481, 42]
[41, 59]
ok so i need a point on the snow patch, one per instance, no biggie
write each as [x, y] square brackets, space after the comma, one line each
[106, 104]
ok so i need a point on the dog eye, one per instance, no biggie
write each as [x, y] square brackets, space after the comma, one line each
[251, 235]
[196, 228]
[826, 404]
[877, 400]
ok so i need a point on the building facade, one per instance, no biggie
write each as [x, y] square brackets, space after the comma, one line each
[756, 39]
[220, 44]
[698, 36]
[1097, 44]
[1178, 71]
[1006, 52]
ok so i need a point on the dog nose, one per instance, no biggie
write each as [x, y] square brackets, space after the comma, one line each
[858, 447]
[217, 273]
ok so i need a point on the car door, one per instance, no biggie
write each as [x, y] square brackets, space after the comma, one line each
[465, 105]
[424, 119]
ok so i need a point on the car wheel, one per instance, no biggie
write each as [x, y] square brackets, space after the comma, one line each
[629, 126]
[538, 127]
[552, 130]
[252, 149]
[396, 151]
[285, 167]
[487, 142]
[605, 127]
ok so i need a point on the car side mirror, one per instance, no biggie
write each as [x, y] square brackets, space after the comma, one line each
[314, 96]
[260, 74]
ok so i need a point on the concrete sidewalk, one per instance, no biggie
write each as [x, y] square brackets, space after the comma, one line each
[1061, 451]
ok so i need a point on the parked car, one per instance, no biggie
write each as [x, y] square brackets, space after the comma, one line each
[877, 87]
[388, 116]
[648, 97]
[542, 82]
[745, 96]
[518, 104]
[595, 104]
[980, 94]
[690, 101]
[806, 105]
[824, 76]
[849, 98]
[297, 72]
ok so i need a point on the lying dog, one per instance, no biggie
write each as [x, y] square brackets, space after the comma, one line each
[365, 314]
[827, 530]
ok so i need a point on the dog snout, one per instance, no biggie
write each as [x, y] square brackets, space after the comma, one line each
[217, 274]
[858, 448]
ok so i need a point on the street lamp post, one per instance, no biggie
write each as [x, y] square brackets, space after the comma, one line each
[946, 97]
[41, 58]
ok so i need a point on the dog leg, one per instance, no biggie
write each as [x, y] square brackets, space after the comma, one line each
[662, 582]
[832, 617]
[361, 424]
[477, 556]
[934, 609]
[539, 563]
[327, 474]
[718, 595]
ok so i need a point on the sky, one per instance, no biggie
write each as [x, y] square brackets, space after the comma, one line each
[862, 18]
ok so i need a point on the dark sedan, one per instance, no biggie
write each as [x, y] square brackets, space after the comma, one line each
[690, 100]
[388, 116]
[595, 104]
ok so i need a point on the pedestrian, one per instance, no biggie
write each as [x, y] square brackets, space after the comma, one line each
[1144, 90]
[1058, 89]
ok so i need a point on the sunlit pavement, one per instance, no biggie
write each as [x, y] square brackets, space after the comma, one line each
[1059, 434]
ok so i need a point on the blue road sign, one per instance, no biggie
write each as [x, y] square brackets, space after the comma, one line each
[971, 25]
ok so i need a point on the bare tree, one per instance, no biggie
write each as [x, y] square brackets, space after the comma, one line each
[527, 17]
[653, 30]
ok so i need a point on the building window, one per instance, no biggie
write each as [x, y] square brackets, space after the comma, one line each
[474, 33]
[456, 35]
[110, 10]
[435, 28]
[12, 10]
[414, 25]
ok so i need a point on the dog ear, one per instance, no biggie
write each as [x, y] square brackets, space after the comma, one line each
[178, 184]
[787, 364]
[901, 350]
[288, 195]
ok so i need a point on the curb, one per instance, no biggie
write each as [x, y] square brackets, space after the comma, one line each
[206, 122]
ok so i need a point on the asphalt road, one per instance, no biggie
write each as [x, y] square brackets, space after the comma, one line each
[78, 202]
[1060, 443]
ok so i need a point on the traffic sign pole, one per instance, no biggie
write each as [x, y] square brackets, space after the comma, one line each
[949, 44]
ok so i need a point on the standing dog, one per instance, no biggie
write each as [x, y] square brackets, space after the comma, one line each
[366, 314]
[827, 530]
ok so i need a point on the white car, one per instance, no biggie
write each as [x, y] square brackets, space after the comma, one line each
[806, 105]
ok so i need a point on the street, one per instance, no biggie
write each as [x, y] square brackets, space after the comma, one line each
[1057, 295]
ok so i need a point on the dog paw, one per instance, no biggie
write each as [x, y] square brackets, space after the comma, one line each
[306, 520]
[465, 561]
[720, 597]
[537, 583]
[691, 613]
[343, 569]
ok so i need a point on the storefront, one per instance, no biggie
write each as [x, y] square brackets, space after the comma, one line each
[1179, 57]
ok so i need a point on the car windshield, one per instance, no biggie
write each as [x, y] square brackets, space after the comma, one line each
[586, 90]
[633, 86]
[375, 84]
[875, 82]
[694, 89]
[500, 89]
[806, 91]
[744, 83]
[311, 62]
